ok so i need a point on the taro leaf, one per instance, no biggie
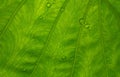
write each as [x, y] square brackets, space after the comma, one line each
[59, 38]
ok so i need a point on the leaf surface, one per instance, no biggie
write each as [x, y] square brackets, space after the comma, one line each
[59, 38]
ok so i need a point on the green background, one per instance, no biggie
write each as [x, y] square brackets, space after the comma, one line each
[59, 38]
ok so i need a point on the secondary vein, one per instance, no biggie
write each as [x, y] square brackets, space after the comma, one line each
[12, 17]
[78, 38]
[101, 36]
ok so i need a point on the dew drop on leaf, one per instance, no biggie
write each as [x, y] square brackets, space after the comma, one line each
[48, 5]
[87, 26]
[82, 21]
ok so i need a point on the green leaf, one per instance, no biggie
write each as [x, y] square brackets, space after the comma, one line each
[59, 38]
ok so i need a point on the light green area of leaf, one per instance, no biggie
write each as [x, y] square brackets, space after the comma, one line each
[59, 38]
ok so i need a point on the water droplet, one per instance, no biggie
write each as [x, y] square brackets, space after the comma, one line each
[87, 26]
[48, 5]
[82, 21]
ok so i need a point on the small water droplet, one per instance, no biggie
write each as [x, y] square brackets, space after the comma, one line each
[82, 21]
[48, 5]
[87, 26]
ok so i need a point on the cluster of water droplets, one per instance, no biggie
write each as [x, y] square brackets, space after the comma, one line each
[49, 4]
